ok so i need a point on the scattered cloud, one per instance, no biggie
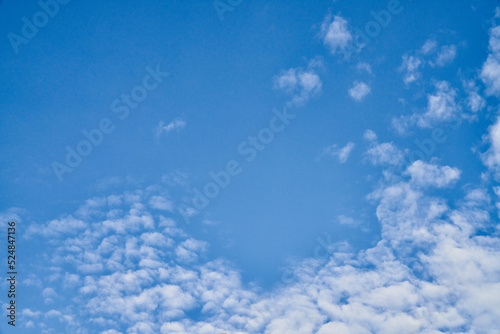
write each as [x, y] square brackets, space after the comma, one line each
[384, 154]
[445, 56]
[429, 47]
[441, 106]
[299, 83]
[359, 91]
[475, 102]
[490, 72]
[492, 157]
[364, 67]
[412, 281]
[335, 34]
[176, 125]
[414, 62]
[342, 153]
[370, 135]
[411, 66]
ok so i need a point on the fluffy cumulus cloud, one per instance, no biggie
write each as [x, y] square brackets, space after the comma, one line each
[492, 157]
[122, 263]
[301, 84]
[335, 34]
[430, 53]
[474, 101]
[441, 105]
[359, 90]
[432, 271]
[424, 174]
[490, 72]
[384, 154]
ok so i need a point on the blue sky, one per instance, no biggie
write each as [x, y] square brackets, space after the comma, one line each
[363, 205]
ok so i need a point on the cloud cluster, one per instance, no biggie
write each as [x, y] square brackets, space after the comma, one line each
[300, 84]
[133, 270]
[430, 53]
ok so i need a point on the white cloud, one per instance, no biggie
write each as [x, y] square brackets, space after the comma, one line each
[474, 100]
[364, 67]
[411, 66]
[424, 174]
[342, 153]
[445, 56]
[370, 135]
[359, 90]
[490, 72]
[161, 203]
[335, 34]
[492, 157]
[384, 154]
[56, 227]
[430, 272]
[176, 125]
[429, 47]
[189, 250]
[348, 221]
[441, 106]
[299, 83]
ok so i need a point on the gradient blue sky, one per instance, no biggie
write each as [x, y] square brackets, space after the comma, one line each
[324, 176]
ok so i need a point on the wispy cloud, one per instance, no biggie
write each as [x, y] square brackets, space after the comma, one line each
[445, 56]
[364, 67]
[429, 47]
[411, 66]
[175, 125]
[342, 153]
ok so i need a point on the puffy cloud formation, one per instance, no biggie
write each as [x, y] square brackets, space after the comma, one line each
[384, 154]
[133, 270]
[441, 106]
[336, 34]
[359, 90]
[299, 83]
[490, 73]
[414, 62]
[492, 157]
[424, 174]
